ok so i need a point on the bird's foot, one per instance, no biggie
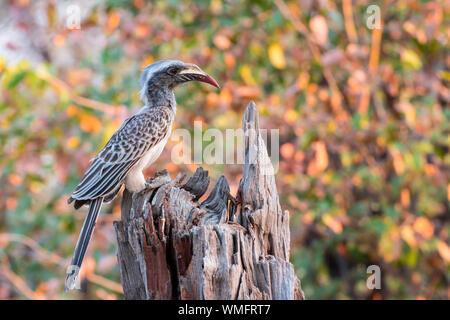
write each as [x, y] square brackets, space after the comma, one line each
[150, 185]
[154, 183]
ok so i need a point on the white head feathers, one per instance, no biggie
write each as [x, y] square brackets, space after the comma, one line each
[149, 71]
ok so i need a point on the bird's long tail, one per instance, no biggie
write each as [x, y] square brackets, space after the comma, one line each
[82, 244]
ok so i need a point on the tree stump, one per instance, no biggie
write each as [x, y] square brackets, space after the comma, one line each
[171, 246]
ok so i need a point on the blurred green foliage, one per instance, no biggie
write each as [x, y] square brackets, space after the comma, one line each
[363, 117]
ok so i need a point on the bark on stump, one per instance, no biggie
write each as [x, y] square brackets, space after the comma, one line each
[171, 246]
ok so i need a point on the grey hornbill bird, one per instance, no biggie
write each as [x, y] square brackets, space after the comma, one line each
[135, 145]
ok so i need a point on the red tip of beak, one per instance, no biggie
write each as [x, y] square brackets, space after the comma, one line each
[208, 79]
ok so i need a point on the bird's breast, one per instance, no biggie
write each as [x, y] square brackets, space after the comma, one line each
[154, 153]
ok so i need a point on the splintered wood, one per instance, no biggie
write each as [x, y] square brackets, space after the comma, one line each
[171, 246]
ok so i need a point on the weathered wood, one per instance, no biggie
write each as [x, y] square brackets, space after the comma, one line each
[171, 246]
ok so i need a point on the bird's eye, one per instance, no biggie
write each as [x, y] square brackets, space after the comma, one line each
[172, 71]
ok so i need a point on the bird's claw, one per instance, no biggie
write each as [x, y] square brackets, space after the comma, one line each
[150, 185]
[156, 182]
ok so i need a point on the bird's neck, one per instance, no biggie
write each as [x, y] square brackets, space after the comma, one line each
[160, 96]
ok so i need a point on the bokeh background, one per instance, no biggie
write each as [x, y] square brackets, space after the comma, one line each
[363, 116]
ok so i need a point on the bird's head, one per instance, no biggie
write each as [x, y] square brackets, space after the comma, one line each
[167, 74]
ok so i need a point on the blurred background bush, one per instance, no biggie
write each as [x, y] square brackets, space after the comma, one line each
[363, 118]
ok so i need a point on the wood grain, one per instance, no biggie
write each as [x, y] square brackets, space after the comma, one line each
[171, 246]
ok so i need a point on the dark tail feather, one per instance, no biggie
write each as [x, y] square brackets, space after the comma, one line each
[82, 244]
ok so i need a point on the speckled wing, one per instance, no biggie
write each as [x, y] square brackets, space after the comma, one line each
[126, 147]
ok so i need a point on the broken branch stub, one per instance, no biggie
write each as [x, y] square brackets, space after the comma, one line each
[171, 246]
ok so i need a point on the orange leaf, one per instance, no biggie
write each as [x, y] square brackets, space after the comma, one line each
[409, 111]
[15, 179]
[320, 161]
[73, 142]
[71, 110]
[171, 167]
[319, 28]
[247, 92]
[332, 223]
[399, 164]
[59, 40]
[290, 116]
[424, 227]
[222, 42]
[11, 203]
[287, 150]
[141, 30]
[23, 3]
[225, 96]
[113, 21]
[299, 156]
[405, 198]
[407, 235]
[90, 123]
[140, 4]
[212, 99]
[230, 61]
[444, 251]
[307, 218]
[430, 169]
[302, 80]
[78, 77]
[148, 60]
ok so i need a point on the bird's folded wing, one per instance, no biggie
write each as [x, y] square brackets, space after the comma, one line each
[126, 147]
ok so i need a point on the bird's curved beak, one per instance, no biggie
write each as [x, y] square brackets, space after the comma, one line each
[192, 72]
